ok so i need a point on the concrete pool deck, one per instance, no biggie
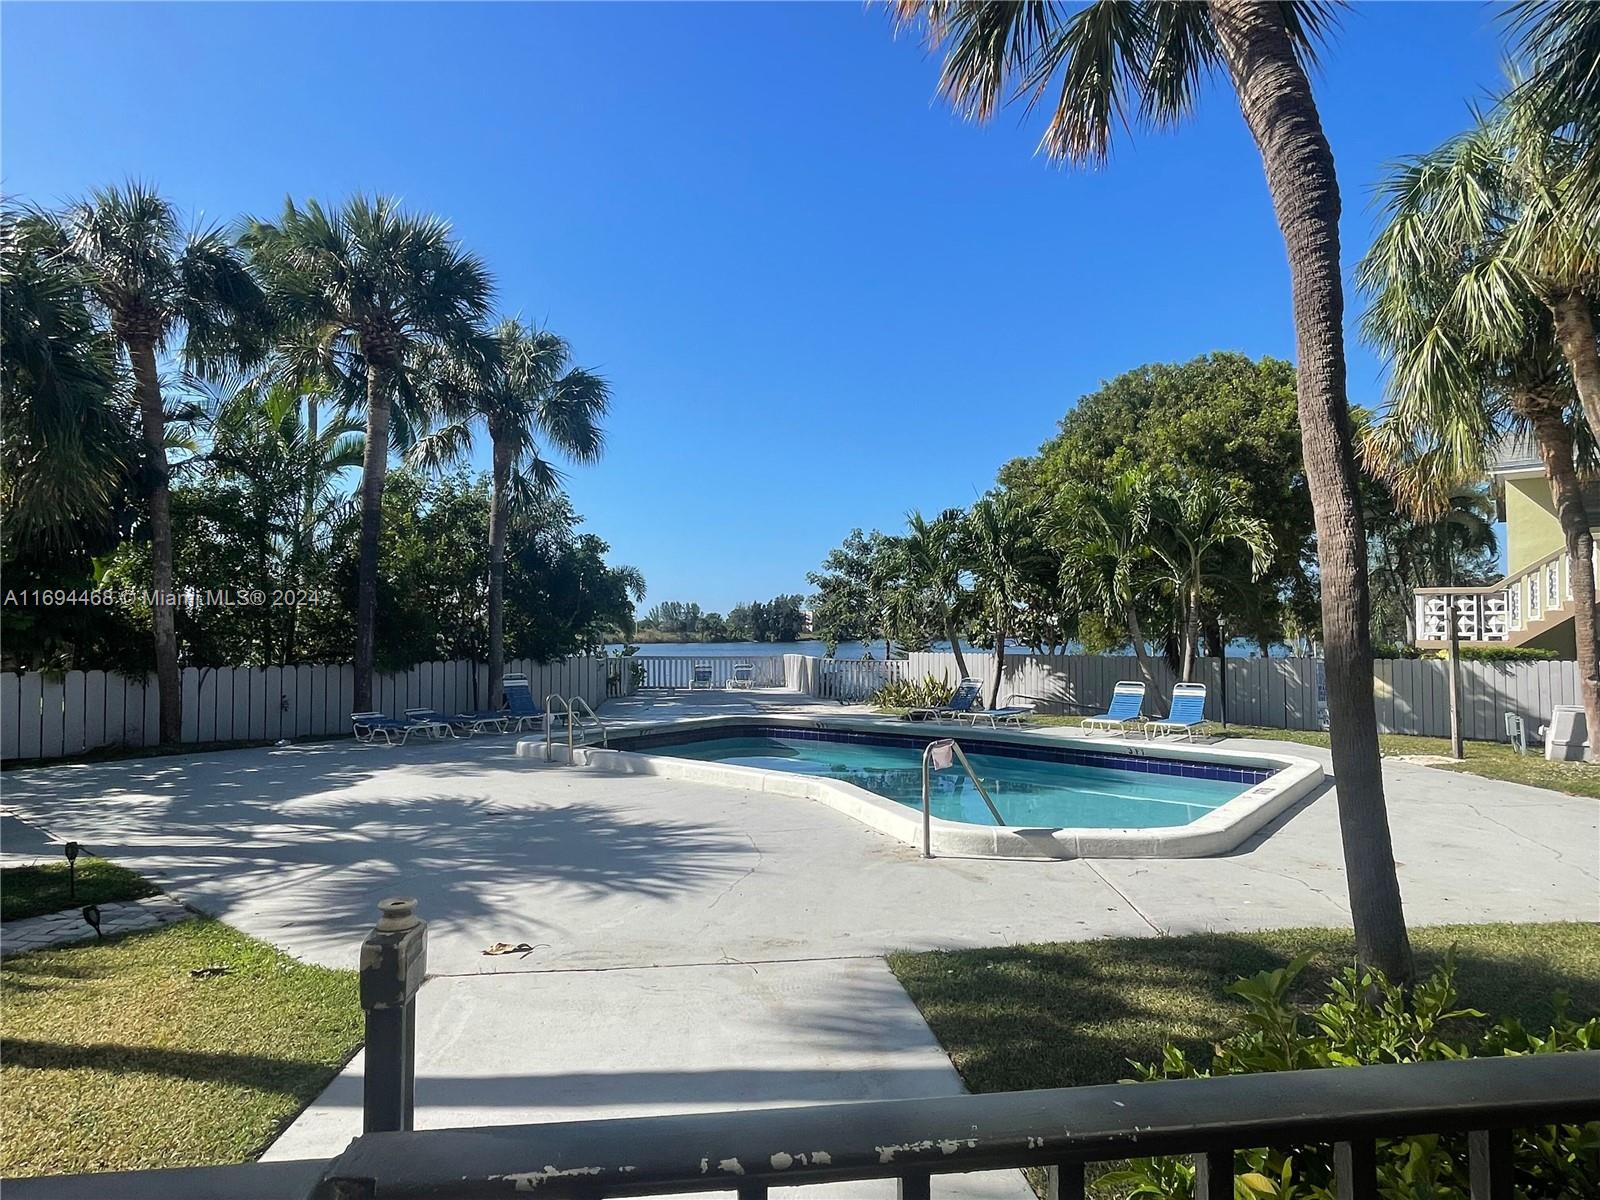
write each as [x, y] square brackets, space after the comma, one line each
[710, 947]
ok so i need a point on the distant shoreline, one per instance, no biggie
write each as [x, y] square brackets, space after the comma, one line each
[648, 637]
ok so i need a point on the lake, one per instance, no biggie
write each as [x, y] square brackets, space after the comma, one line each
[752, 649]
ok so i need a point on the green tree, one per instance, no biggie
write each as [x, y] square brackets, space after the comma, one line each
[935, 556]
[163, 290]
[1190, 524]
[1097, 63]
[525, 391]
[1461, 382]
[854, 599]
[371, 287]
[1004, 553]
[1224, 414]
[1454, 544]
[1103, 532]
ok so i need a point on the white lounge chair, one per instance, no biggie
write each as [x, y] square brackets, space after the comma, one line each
[743, 676]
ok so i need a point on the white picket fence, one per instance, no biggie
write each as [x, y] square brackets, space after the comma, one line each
[677, 670]
[45, 716]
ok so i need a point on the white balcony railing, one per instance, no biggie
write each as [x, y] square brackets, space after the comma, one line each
[1495, 614]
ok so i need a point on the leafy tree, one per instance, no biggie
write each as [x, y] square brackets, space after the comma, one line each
[1004, 555]
[1097, 63]
[1455, 547]
[371, 288]
[162, 290]
[1461, 378]
[854, 601]
[522, 387]
[1191, 523]
[1103, 533]
[1223, 414]
[935, 556]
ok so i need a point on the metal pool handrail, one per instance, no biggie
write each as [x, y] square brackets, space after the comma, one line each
[572, 721]
[927, 811]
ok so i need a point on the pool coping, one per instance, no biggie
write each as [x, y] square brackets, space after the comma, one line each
[1217, 832]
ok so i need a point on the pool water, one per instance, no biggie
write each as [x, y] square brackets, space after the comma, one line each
[1027, 792]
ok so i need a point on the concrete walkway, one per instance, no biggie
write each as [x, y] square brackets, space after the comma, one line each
[702, 947]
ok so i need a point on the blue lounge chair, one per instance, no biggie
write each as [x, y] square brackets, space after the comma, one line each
[966, 696]
[522, 710]
[700, 676]
[743, 676]
[370, 726]
[1188, 713]
[1127, 699]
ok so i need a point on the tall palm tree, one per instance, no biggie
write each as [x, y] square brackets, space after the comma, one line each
[1001, 533]
[1459, 383]
[525, 391]
[1098, 63]
[1190, 523]
[934, 555]
[1560, 40]
[371, 286]
[1103, 535]
[164, 290]
[65, 450]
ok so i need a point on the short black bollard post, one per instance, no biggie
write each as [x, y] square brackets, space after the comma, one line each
[394, 959]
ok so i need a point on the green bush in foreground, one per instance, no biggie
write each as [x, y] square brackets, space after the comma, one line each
[1366, 1020]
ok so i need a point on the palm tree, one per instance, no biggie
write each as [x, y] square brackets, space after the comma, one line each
[163, 290]
[1190, 523]
[934, 555]
[525, 390]
[1102, 531]
[371, 287]
[1561, 42]
[1001, 531]
[1097, 63]
[65, 451]
[1460, 383]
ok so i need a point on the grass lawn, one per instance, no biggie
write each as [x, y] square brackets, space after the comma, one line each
[1492, 760]
[118, 1056]
[29, 891]
[1069, 1014]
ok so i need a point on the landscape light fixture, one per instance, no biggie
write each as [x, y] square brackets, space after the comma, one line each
[71, 850]
[91, 914]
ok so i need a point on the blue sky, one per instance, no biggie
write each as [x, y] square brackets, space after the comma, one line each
[821, 298]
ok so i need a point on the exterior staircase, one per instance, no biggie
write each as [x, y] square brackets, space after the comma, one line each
[1527, 604]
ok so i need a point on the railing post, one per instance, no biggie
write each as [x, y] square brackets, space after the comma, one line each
[394, 960]
[1065, 1181]
[1490, 1163]
[1355, 1170]
[1213, 1175]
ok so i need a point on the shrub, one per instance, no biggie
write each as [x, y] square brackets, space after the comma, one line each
[1364, 1020]
[929, 692]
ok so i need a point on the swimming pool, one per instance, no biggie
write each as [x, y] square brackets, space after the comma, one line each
[1060, 794]
[1062, 789]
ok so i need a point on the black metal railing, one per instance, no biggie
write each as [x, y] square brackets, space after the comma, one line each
[753, 1151]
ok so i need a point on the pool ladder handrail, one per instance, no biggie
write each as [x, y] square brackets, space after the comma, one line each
[927, 809]
[572, 723]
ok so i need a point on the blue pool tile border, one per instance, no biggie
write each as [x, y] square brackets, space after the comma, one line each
[1109, 760]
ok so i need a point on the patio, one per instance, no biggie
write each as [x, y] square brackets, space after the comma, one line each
[703, 947]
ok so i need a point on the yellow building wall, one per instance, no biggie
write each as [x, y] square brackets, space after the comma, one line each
[1532, 528]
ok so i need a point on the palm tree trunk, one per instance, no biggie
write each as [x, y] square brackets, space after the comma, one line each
[955, 644]
[1191, 632]
[497, 572]
[1275, 98]
[1575, 331]
[374, 468]
[1555, 448]
[147, 383]
[1140, 650]
[999, 660]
